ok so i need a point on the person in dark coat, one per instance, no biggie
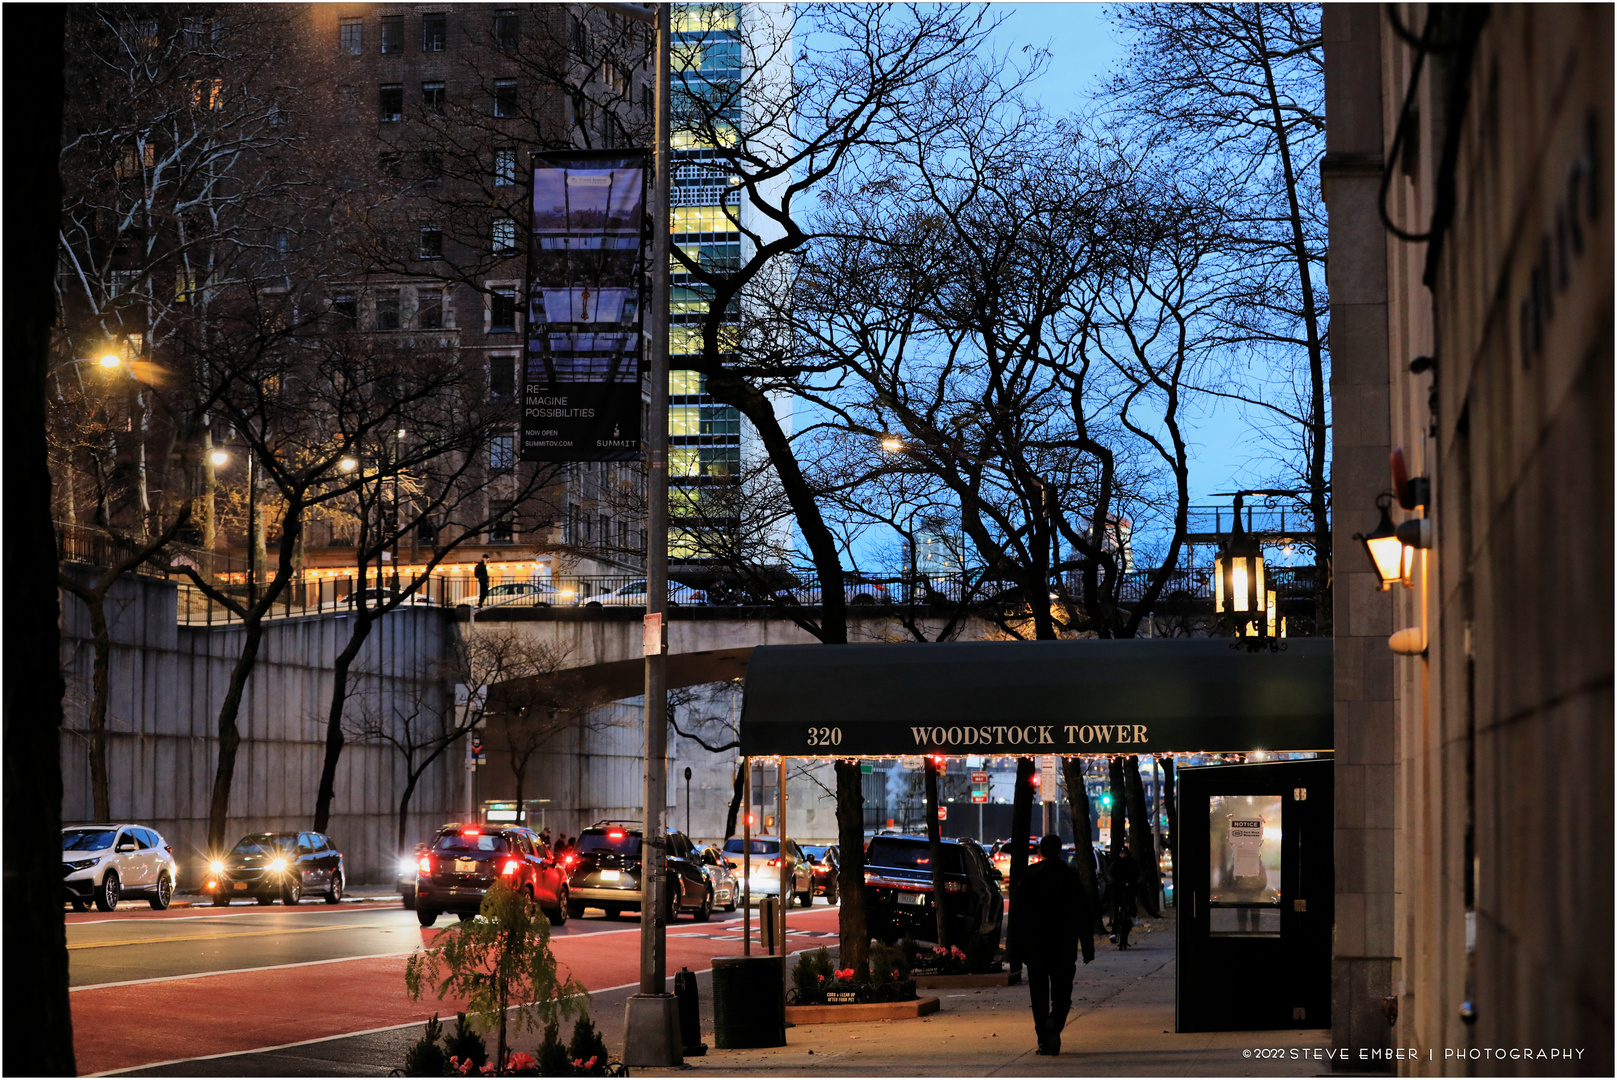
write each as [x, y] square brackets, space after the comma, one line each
[1122, 880]
[1050, 918]
[481, 574]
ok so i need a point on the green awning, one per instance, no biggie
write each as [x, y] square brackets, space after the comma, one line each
[1141, 696]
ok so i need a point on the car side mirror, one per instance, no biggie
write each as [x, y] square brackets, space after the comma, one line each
[125, 847]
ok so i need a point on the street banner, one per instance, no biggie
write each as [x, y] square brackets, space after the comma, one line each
[581, 398]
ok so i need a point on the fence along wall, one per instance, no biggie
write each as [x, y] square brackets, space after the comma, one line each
[166, 685]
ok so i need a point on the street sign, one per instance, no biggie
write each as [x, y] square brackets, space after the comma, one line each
[979, 787]
[865, 768]
[1047, 777]
[943, 813]
[979, 778]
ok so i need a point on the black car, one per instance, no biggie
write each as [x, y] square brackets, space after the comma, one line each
[270, 866]
[465, 860]
[607, 875]
[826, 862]
[898, 890]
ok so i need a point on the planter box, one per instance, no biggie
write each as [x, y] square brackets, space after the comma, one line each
[847, 1014]
[945, 982]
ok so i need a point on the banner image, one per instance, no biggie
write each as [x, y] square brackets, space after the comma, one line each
[581, 397]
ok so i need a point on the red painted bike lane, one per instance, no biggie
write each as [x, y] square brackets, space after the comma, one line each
[124, 1027]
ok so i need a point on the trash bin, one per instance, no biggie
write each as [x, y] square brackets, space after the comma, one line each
[749, 1002]
[690, 1013]
[769, 923]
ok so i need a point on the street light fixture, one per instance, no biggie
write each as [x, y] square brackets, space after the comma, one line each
[1387, 553]
[110, 360]
[218, 457]
[892, 444]
[348, 464]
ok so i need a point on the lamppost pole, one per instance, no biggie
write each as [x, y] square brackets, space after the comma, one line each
[651, 1018]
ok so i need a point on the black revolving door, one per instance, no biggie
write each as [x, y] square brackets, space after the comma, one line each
[1256, 892]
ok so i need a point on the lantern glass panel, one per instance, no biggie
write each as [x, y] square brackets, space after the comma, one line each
[1218, 584]
[1387, 552]
[1238, 572]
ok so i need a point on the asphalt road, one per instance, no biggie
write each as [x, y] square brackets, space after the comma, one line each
[175, 992]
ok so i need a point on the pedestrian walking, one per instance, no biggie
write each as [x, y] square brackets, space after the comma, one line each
[1123, 879]
[1050, 918]
[481, 574]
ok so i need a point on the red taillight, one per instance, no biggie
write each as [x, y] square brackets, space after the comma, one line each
[954, 886]
[168, 849]
[569, 859]
[615, 834]
[773, 863]
[509, 868]
[869, 877]
[471, 832]
[425, 865]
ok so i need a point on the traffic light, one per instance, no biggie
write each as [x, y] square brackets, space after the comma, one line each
[1106, 801]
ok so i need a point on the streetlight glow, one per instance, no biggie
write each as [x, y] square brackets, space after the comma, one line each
[348, 464]
[892, 444]
[110, 360]
[219, 457]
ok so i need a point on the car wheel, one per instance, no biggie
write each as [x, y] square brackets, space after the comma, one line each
[831, 894]
[334, 894]
[806, 897]
[612, 912]
[675, 896]
[221, 900]
[465, 916]
[705, 912]
[292, 894]
[265, 900]
[165, 892]
[558, 914]
[106, 897]
[575, 908]
[426, 916]
[734, 901]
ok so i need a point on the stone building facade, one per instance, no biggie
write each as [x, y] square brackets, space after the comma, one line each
[1468, 181]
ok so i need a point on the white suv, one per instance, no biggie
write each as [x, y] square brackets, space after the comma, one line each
[104, 863]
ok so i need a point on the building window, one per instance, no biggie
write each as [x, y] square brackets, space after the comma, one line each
[502, 527]
[432, 242]
[432, 32]
[429, 310]
[387, 309]
[432, 170]
[606, 529]
[503, 312]
[345, 309]
[391, 102]
[392, 34]
[502, 452]
[351, 36]
[506, 29]
[432, 97]
[503, 237]
[505, 97]
[505, 167]
[502, 377]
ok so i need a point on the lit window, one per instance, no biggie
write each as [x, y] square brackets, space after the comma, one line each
[352, 36]
[684, 382]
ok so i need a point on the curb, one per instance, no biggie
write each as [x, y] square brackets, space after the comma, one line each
[799, 1015]
[953, 982]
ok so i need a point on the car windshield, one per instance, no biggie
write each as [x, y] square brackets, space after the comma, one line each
[910, 855]
[265, 844]
[736, 846]
[467, 843]
[815, 852]
[611, 842]
[87, 839]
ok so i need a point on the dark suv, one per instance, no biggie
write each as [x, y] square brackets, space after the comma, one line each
[898, 890]
[608, 872]
[464, 860]
[271, 866]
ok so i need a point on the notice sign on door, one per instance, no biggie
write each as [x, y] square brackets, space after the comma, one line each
[1246, 844]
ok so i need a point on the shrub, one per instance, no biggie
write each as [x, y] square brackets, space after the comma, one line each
[553, 1059]
[587, 1050]
[888, 963]
[426, 1057]
[466, 1044]
[812, 971]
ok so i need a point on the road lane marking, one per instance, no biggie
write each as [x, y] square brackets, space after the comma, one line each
[164, 917]
[224, 937]
[233, 971]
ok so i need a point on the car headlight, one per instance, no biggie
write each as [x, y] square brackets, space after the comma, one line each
[278, 865]
[407, 867]
[85, 864]
[216, 867]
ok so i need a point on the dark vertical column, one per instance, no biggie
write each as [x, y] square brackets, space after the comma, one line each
[1021, 830]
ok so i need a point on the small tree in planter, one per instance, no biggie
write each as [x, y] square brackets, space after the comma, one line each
[498, 959]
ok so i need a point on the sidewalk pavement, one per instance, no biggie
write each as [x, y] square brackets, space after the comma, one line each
[1121, 1025]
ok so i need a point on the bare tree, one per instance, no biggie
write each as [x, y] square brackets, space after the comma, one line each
[1240, 89]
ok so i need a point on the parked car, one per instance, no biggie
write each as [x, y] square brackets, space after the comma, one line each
[634, 595]
[270, 866]
[463, 861]
[726, 882]
[404, 882]
[898, 891]
[825, 860]
[107, 863]
[766, 858]
[608, 874]
[1002, 856]
[526, 594]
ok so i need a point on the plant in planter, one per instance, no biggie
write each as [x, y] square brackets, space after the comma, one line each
[466, 1044]
[553, 1060]
[426, 1057]
[500, 958]
[587, 1050]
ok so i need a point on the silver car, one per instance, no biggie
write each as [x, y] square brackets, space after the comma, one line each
[107, 863]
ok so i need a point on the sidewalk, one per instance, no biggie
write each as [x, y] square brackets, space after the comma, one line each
[1121, 1025]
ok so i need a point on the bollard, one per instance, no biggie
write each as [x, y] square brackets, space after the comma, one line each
[690, 1013]
[768, 918]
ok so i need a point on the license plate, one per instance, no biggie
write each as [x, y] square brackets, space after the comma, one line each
[465, 866]
[241, 885]
[611, 875]
[911, 898]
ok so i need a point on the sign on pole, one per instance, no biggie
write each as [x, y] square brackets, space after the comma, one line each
[1047, 777]
[581, 396]
[943, 813]
[979, 787]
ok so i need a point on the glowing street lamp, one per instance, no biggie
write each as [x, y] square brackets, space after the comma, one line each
[348, 464]
[1387, 553]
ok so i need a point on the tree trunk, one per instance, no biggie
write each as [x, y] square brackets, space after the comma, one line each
[334, 734]
[1171, 804]
[735, 800]
[934, 844]
[404, 803]
[1142, 850]
[1119, 808]
[1021, 830]
[1083, 836]
[851, 924]
[100, 787]
[36, 940]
